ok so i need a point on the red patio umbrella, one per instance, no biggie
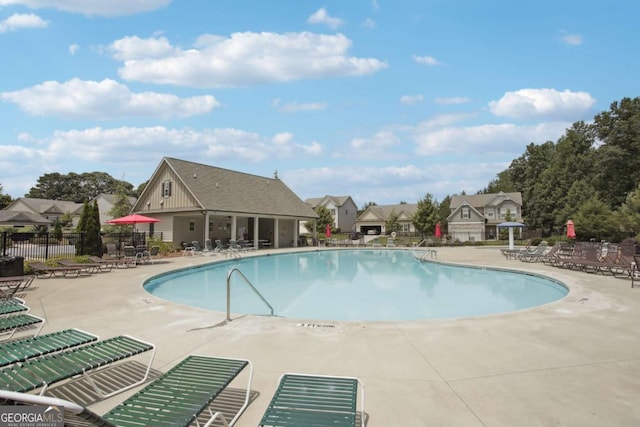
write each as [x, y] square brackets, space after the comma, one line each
[328, 230]
[133, 219]
[571, 230]
[438, 232]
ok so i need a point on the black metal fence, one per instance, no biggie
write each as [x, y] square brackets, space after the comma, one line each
[42, 246]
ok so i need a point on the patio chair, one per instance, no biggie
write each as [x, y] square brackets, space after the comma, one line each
[11, 285]
[315, 400]
[188, 249]
[28, 347]
[112, 262]
[40, 372]
[10, 325]
[130, 255]
[43, 271]
[174, 399]
[12, 306]
[88, 268]
[535, 254]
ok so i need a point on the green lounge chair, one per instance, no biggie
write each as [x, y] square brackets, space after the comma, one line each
[9, 325]
[26, 348]
[303, 400]
[174, 399]
[12, 306]
[40, 372]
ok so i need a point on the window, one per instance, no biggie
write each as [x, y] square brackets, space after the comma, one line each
[166, 188]
[465, 213]
[405, 228]
[192, 225]
[490, 213]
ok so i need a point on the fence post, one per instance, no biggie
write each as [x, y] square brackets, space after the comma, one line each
[4, 243]
[46, 248]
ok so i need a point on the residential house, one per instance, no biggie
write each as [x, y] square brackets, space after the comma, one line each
[476, 217]
[342, 208]
[105, 205]
[373, 219]
[45, 211]
[194, 201]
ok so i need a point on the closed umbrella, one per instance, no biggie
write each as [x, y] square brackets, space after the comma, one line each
[438, 232]
[328, 230]
[571, 230]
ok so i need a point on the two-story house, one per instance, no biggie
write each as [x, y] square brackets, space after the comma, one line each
[476, 217]
[342, 208]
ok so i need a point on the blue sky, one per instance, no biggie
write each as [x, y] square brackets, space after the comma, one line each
[381, 100]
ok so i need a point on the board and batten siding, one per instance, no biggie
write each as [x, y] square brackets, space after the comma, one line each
[180, 198]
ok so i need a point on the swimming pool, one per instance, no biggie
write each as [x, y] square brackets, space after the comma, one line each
[357, 285]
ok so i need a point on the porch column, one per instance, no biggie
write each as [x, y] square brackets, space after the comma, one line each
[276, 233]
[256, 234]
[206, 226]
[296, 230]
[234, 227]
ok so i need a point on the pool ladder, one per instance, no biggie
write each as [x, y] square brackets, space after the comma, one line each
[236, 270]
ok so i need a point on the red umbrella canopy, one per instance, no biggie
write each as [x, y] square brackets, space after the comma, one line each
[132, 219]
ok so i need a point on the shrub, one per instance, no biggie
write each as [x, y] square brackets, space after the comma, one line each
[536, 241]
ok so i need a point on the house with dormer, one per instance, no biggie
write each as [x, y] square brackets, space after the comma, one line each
[342, 208]
[373, 220]
[194, 201]
[476, 217]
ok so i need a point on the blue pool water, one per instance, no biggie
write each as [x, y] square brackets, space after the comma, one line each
[367, 285]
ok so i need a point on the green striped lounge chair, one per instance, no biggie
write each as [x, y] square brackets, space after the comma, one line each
[11, 324]
[180, 397]
[25, 348]
[38, 373]
[304, 400]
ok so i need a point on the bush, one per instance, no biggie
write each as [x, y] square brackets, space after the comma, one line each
[536, 241]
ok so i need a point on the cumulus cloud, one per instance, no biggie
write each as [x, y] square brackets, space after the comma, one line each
[490, 139]
[530, 103]
[106, 99]
[452, 100]
[73, 49]
[20, 21]
[411, 99]
[321, 16]
[426, 60]
[294, 107]
[243, 59]
[93, 7]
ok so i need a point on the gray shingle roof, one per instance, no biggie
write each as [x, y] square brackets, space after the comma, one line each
[482, 200]
[219, 189]
[337, 200]
[383, 211]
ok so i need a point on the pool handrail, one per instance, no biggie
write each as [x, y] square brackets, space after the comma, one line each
[237, 270]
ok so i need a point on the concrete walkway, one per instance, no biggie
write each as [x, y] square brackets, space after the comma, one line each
[574, 362]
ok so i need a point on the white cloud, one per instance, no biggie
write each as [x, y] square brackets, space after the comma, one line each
[426, 60]
[93, 7]
[507, 139]
[73, 49]
[572, 39]
[530, 103]
[19, 21]
[242, 59]
[369, 23]
[106, 99]
[411, 99]
[452, 100]
[321, 16]
[294, 107]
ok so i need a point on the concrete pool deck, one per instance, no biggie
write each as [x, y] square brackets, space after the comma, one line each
[573, 362]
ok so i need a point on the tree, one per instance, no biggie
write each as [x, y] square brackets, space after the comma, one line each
[594, 221]
[325, 218]
[5, 199]
[121, 206]
[76, 187]
[365, 207]
[426, 216]
[392, 223]
[89, 226]
[444, 210]
[57, 231]
[629, 213]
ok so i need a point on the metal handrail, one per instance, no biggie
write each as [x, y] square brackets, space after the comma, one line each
[235, 269]
[420, 244]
